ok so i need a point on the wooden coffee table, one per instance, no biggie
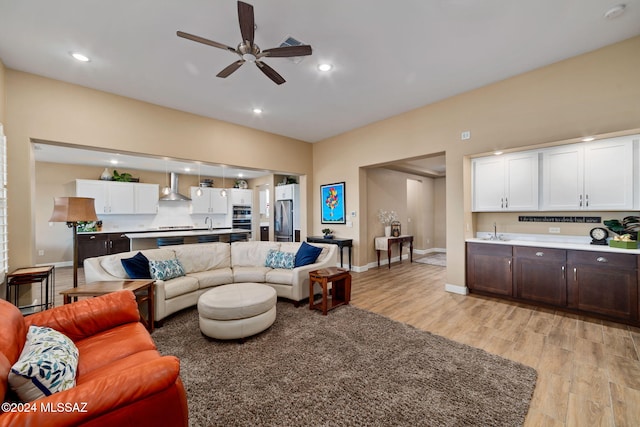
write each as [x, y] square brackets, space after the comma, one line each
[143, 289]
[340, 288]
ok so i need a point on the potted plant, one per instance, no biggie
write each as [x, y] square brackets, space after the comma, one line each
[122, 177]
[386, 218]
[327, 233]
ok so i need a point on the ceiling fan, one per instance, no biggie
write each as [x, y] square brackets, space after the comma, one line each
[249, 51]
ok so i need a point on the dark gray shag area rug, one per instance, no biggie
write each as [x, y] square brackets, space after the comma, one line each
[349, 368]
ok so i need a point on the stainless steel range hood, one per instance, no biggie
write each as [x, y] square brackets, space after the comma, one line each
[174, 195]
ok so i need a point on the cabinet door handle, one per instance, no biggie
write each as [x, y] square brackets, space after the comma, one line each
[564, 273]
[92, 237]
[575, 274]
[586, 200]
[122, 236]
[110, 244]
[510, 266]
[506, 202]
[539, 253]
[602, 259]
[581, 200]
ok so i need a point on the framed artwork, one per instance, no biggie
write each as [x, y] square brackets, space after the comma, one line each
[332, 203]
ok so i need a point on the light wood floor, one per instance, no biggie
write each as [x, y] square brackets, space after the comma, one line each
[588, 370]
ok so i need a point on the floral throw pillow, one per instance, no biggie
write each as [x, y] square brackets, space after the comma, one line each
[279, 259]
[47, 364]
[166, 269]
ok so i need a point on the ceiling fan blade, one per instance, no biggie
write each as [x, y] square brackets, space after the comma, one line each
[204, 41]
[247, 24]
[287, 51]
[270, 72]
[230, 69]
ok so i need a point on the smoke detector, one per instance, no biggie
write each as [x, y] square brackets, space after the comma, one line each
[615, 11]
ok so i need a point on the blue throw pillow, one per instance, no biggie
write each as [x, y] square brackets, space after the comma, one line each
[307, 254]
[137, 267]
[166, 269]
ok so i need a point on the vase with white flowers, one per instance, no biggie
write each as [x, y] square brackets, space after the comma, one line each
[386, 218]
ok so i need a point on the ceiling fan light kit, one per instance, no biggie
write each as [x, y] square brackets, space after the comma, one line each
[247, 50]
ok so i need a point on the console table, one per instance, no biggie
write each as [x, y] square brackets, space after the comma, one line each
[342, 243]
[385, 244]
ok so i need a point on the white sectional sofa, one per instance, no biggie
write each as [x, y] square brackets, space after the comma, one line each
[207, 265]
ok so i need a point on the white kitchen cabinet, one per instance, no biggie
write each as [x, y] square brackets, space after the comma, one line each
[110, 197]
[211, 201]
[285, 192]
[146, 198]
[505, 183]
[241, 197]
[588, 176]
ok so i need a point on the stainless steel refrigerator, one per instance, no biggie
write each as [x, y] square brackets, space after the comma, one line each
[283, 222]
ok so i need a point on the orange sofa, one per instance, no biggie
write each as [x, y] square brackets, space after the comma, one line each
[121, 379]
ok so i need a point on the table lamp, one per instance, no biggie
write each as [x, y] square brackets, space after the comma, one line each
[71, 210]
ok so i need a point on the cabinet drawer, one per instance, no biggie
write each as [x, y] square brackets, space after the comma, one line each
[489, 249]
[541, 254]
[604, 259]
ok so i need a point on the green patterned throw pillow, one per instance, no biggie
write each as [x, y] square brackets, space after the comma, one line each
[47, 364]
[166, 269]
[278, 259]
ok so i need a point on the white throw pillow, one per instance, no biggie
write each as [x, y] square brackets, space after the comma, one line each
[47, 364]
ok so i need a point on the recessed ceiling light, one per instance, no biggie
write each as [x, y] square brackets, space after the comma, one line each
[80, 57]
[325, 67]
[187, 169]
[257, 110]
[587, 139]
[113, 162]
[615, 11]
[497, 153]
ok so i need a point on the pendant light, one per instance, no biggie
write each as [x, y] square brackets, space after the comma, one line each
[223, 192]
[199, 190]
[167, 189]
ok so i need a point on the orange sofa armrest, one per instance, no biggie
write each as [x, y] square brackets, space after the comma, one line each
[100, 396]
[90, 316]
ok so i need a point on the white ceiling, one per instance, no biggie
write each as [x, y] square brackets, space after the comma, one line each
[389, 57]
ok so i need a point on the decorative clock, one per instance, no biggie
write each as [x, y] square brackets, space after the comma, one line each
[599, 236]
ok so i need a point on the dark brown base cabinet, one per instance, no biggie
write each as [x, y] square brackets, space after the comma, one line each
[93, 245]
[588, 282]
[489, 268]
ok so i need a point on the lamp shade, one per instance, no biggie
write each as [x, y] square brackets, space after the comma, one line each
[73, 209]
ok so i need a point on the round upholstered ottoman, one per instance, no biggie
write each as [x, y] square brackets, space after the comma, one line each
[237, 311]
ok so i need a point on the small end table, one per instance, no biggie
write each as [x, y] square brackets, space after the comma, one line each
[29, 275]
[95, 289]
[340, 288]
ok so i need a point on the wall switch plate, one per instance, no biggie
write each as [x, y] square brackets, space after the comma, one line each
[349, 224]
[353, 213]
[465, 135]
[40, 252]
[554, 230]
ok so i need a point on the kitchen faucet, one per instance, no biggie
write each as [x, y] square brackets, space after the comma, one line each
[495, 232]
[210, 223]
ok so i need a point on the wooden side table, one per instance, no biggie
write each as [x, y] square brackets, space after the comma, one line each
[385, 244]
[95, 289]
[342, 243]
[340, 289]
[27, 276]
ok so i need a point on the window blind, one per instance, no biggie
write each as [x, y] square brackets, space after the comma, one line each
[4, 246]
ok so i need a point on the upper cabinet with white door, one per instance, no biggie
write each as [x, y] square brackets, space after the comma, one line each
[505, 183]
[210, 202]
[119, 197]
[588, 176]
[241, 197]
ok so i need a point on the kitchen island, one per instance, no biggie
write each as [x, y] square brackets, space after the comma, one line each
[149, 240]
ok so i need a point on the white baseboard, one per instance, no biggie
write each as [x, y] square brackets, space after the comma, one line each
[456, 289]
[58, 264]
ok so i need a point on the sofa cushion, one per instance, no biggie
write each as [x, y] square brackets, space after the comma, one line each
[207, 279]
[251, 254]
[307, 254]
[250, 274]
[180, 286]
[280, 276]
[166, 269]
[203, 256]
[47, 364]
[137, 267]
[112, 265]
[279, 259]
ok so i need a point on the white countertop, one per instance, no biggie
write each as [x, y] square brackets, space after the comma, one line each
[186, 233]
[558, 242]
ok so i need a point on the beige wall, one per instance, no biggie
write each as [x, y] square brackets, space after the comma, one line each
[594, 93]
[46, 109]
[440, 213]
